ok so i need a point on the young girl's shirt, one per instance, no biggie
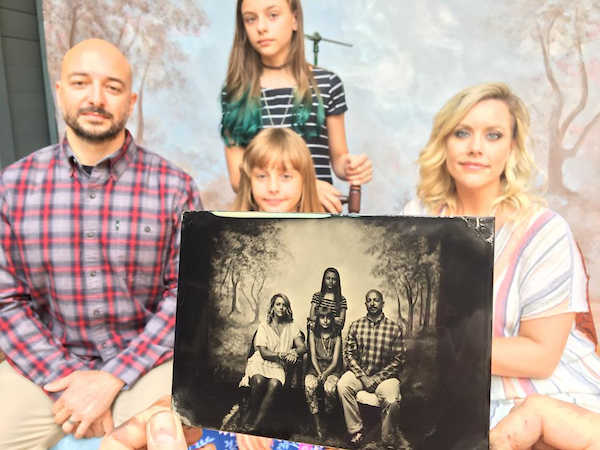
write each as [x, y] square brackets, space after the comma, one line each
[278, 104]
[318, 300]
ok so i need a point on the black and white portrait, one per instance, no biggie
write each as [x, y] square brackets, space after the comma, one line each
[365, 332]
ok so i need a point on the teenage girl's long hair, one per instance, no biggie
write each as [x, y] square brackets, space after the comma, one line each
[242, 117]
[337, 287]
[285, 149]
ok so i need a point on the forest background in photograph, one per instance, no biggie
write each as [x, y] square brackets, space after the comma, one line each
[407, 59]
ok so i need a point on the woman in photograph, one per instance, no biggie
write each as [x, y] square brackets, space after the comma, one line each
[331, 296]
[324, 368]
[271, 85]
[476, 163]
[278, 343]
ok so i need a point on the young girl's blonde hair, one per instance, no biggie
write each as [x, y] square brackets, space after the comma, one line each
[436, 187]
[282, 148]
[241, 95]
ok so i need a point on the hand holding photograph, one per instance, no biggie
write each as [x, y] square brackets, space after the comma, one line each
[345, 331]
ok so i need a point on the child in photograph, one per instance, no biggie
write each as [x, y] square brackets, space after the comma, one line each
[331, 296]
[277, 175]
[324, 368]
[271, 85]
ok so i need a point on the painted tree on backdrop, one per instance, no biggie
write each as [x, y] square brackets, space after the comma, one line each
[247, 256]
[145, 31]
[563, 33]
[410, 270]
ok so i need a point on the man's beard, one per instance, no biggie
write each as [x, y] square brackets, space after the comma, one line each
[95, 137]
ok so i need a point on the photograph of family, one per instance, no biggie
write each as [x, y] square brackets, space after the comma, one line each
[340, 331]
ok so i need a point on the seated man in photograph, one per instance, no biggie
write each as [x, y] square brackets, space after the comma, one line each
[89, 256]
[374, 353]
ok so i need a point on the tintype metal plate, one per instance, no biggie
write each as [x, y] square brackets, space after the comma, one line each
[435, 275]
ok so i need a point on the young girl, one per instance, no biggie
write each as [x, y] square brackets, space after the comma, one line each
[331, 296]
[325, 347]
[269, 84]
[277, 175]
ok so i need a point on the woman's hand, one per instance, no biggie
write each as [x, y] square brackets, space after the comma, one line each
[329, 197]
[248, 442]
[291, 358]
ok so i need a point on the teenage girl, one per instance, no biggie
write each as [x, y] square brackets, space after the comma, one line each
[325, 347]
[331, 296]
[269, 84]
[277, 174]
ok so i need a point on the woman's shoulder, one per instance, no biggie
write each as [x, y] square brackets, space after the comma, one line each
[544, 221]
[415, 207]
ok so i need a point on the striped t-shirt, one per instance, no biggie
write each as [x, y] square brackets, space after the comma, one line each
[538, 272]
[277, 106]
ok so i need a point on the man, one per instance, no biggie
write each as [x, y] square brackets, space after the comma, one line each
[89, 255]
[375, 354]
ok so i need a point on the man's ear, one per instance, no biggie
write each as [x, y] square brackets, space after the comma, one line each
[132, 102]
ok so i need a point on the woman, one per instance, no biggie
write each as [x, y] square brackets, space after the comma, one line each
[476, 163]
[331, 296]
[278, 342]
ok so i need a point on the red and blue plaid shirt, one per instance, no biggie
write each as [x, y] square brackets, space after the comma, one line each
[89, 263]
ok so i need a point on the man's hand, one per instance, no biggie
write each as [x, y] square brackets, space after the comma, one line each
[358, 169]
[329, 197]
[86, 397]
[368, 383]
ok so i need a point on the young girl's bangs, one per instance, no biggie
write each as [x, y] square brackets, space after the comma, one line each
[278, 155]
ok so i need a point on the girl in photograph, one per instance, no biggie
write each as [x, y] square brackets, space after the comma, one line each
[278, 342]
[325, 350]
[331, 296]
[476, 163]
[277, 174]
[270, 85]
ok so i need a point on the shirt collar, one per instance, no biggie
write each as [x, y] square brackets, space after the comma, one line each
[378, 321]
[116, 163]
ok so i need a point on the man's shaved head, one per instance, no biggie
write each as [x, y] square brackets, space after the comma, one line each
[94, 92]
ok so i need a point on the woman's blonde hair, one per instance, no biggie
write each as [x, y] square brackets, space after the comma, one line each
[436, 187]
[282, 148]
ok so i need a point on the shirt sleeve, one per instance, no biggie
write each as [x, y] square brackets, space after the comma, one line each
[337, 97]
[344, 303]
[351, 352]
[398, 350]
[28, 344]
[154, 345]
[316, 298]
[552, 278]
[261, 337]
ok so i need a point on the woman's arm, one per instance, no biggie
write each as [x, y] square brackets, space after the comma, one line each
[337, 346]
[268, 355]
[234, 156]
[535, 353]
[313, 353]
[341, 320]
[300, 346]
[313, 312]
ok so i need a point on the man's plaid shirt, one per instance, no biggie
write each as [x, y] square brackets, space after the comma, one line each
[375, 349]
[89, 263]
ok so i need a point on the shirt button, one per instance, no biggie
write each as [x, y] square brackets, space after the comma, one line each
[90, 234]
[93, 273]
[96, 312]
[103, 345]
[92, 196]
[147, 229]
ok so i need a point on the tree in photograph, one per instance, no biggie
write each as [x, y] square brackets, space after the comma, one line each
[145, 31]
[409, 266]
[247, 256]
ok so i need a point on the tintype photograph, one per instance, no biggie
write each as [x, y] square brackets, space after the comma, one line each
[345, 331]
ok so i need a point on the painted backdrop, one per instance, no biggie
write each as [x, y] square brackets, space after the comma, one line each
[407, 59]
